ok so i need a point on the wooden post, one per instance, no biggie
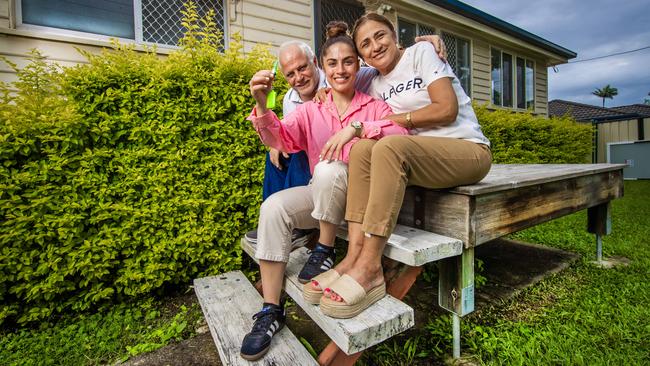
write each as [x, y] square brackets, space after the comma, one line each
[456, 290]
[599, 222]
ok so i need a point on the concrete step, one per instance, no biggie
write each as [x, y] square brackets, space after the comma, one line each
[228, 302]
[382, 320]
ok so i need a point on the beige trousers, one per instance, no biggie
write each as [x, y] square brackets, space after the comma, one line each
[301, 208]
[381, 170]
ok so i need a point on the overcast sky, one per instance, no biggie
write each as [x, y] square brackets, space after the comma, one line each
[591, 28]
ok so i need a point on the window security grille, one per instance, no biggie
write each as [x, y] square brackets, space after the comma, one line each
[450, 42]
[347, 11]
[424, 30]
[161, 19]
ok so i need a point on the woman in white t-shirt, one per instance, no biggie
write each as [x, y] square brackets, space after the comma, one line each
[446, 148]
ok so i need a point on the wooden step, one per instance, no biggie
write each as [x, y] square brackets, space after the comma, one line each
[416, 247]
[229, 302]
[382, 320]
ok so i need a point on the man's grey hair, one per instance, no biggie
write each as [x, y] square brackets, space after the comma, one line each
[304, 48]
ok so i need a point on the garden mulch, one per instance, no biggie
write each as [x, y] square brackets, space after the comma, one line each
[509, 266]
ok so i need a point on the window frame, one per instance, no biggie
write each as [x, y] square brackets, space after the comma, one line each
[137, 22]
[417, 28]
[514, 81]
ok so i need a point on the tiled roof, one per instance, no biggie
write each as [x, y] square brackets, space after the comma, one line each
[643, 110]
[586, 112]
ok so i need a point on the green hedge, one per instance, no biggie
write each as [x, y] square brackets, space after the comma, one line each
[519, 138]
[127, 174]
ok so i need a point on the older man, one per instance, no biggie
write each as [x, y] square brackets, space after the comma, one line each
[299, 66]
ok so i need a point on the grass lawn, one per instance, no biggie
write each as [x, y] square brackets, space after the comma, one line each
[583, 315]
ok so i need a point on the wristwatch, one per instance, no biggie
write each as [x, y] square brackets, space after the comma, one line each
[358, 128]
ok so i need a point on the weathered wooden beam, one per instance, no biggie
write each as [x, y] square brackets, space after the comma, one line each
[446, 213]
[501, 213]
[228, 302]
[478, 219]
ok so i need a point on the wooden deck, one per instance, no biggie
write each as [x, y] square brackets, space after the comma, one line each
[510, 198]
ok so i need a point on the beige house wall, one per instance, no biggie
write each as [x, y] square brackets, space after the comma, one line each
[271, 22]
[616, 132]
[4, 14]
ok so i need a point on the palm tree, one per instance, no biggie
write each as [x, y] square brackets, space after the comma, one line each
[608, 92]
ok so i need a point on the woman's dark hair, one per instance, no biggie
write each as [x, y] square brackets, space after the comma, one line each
[337, 31]
[374, 17]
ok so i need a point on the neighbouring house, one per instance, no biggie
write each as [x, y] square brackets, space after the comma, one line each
[624, 124]
[498, 63]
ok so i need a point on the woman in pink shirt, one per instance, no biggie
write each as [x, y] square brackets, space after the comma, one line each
[326, 132]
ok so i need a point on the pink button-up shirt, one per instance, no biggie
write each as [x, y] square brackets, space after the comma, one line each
[310, 126]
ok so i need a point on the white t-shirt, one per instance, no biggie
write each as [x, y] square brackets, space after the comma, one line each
[405, 90]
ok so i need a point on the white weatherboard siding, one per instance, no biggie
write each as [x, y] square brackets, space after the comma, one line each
[481, 90]
[272, 22]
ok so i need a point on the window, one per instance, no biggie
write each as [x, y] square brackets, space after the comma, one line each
[152, 21]
[407, 31]
[530, 85]
[507, 79]
[495, 72]
[513, 80]
[458, 56]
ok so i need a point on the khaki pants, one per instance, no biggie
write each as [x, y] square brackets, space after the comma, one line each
[381, 170]
[301, 208]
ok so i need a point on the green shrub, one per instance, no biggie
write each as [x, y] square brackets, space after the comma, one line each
[127, 174]
[521, 138]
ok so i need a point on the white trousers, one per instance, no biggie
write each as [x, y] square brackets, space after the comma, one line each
[301, 208]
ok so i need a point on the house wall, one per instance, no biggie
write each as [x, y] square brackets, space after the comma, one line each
[4, 13]
[616, 132]
[272, 22]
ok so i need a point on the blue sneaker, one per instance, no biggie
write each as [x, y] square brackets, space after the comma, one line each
[321, 259]
[268, 322]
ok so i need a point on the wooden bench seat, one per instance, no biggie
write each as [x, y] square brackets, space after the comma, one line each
[416, 247]
[228, 302]
[382, 320]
